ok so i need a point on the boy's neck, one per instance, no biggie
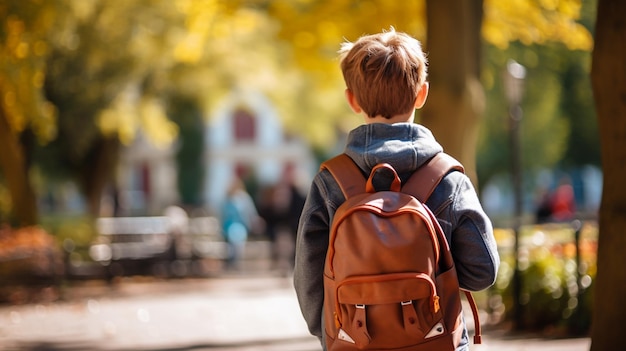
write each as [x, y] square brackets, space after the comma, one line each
[405, 118]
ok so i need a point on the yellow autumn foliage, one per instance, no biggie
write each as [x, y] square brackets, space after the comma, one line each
[234, 43]
[22, 61]
[532, 21]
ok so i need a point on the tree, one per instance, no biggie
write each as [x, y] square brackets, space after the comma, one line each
[98, 89]
[559, 128]
[457, 99]
[486, 36]
[217, 45]
[608, 77]
[455, 32]
[24, 112]
[108, 69]
[186, 113]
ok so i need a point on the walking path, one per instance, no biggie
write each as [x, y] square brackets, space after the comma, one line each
[228, 313]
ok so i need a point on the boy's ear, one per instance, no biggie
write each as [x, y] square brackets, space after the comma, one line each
[421, 96]
[352, 102]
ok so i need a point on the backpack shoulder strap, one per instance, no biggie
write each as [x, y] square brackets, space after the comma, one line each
[421, 184]
[425, 179]
[347, 174]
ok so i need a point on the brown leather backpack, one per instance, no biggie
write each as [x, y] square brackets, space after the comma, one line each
[389, 278]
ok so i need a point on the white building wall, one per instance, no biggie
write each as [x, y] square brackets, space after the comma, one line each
[266, 156]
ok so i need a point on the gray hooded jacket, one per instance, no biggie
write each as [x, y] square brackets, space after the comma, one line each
[405, 146]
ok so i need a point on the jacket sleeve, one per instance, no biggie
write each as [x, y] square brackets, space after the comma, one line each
[469, 232]
[311, 247]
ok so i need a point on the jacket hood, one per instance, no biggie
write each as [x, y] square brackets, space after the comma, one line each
[405, 146]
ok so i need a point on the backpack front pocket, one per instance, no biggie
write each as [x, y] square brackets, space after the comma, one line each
[388, 310]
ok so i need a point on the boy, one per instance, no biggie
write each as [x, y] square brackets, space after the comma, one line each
[385, 75]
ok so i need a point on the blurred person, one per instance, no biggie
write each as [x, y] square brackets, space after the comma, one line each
[385, 75]
[280, 207]
[563, 201]
[543, 211]
[239, 215]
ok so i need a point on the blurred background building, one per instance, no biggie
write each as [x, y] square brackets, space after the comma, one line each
[244, 139]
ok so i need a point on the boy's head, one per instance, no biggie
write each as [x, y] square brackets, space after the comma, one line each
[384, 73]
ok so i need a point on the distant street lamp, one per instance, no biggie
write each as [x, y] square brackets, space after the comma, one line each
[514, 89]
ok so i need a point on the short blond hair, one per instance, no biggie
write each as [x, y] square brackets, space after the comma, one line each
[384, 71]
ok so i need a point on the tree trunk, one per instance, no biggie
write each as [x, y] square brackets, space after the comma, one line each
[608, 78]
[456, 100]
[98, 171]
[15, 170]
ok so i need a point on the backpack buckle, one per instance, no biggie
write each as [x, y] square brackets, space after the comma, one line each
[436, 305]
